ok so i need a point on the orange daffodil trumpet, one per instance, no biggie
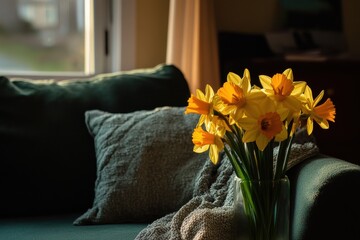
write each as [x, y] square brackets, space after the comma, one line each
[285, 92]
[211, 139]
[236, 97]
[264, 124]
[201, 103]
[246, 120]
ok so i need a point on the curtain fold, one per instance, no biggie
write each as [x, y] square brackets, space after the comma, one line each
[192, 42]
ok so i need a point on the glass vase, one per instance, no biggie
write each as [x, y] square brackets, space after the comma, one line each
[262, 209]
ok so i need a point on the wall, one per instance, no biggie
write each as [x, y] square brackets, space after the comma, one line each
[262, 16]
[151, 32]
[248, 16]
[152, 23]
[351, 24]
[231, 15]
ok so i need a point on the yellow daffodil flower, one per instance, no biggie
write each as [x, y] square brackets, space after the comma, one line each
[244, 121]
[321, 114]
[236, 97]
[283, 90]
[201, 104]
[264, 124]
[209, 140]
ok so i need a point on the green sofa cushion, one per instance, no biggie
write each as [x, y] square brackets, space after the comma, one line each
[47, 155]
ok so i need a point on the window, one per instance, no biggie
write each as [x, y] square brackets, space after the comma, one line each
[53, 38]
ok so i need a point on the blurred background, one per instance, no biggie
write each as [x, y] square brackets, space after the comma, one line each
[318, 39]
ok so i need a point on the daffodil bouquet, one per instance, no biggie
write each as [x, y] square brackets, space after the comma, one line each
[247, 122]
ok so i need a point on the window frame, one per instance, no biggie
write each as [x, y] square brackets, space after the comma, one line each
[100, 41]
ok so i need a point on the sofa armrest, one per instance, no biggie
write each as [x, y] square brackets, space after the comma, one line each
[324, 199]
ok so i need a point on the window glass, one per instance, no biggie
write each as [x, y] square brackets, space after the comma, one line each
[45, 36]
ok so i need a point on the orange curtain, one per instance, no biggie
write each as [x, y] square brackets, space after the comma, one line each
[192, 42]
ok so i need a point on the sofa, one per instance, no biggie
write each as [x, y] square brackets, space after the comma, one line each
[57, 181]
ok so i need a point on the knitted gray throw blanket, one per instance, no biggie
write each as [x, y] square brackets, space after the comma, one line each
[209, 214]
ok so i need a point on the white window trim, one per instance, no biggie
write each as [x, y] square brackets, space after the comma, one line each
[123, 38]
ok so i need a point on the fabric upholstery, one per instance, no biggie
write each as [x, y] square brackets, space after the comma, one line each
[210, 212]
[59, 227]
[146, 166]
[48, 162]
[47, 158]
[325, 199]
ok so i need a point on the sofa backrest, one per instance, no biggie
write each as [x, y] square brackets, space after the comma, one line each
[47, 156]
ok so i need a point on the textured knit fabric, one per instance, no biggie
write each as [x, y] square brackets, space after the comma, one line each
[209, 214]
[146, 166]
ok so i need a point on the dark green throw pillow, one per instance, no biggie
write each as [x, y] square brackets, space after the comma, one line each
[47, 155]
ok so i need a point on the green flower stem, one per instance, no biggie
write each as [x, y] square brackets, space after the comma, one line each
[259, 178]
[283, 156]
[261, 201]
[237, 167]
[252, 159]
[237, 149]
